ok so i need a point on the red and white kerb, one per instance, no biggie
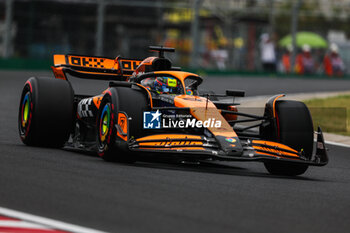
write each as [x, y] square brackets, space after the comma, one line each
[11, 225]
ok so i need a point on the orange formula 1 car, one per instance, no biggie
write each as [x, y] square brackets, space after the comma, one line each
[153, 108]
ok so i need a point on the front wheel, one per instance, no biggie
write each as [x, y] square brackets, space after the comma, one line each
[106, 131]
[132, 102]
[294, 129]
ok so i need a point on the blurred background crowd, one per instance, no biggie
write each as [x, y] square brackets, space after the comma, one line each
[284, 36]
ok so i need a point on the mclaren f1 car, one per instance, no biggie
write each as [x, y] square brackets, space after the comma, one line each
[153, 108]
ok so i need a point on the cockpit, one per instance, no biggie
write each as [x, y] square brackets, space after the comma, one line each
[174, 83]
[163, 84]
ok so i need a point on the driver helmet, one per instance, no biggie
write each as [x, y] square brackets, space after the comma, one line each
[166, 85]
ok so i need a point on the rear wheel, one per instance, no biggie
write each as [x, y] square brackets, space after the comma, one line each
[45, 112]
[294, 129]
[129, 101]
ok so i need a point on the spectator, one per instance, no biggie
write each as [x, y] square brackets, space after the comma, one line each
[305, 64]
[220, 56]
[332, 62]
[268, 53]
[286, 65]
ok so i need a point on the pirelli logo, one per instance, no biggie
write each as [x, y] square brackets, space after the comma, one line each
[87, 62]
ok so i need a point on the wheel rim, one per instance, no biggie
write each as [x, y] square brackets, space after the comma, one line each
[25, 112]
[105, 122]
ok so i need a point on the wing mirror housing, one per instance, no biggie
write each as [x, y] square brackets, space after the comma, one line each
[235, 93]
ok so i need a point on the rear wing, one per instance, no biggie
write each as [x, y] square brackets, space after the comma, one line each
[118, 69]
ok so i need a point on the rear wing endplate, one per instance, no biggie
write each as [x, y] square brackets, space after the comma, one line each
[119, 69]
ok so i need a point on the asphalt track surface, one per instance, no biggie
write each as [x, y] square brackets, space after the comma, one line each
[166, 197]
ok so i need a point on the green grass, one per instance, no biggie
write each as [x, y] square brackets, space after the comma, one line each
[332, 114]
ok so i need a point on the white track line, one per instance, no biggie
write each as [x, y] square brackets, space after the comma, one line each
[47, 222]
[21, 224]
[337, 144]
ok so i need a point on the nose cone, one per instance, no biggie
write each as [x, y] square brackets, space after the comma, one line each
[203, 110]
[230, 145]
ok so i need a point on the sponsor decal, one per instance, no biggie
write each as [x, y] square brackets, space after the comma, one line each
[97, 101]
[191, 123]
[102, 63]
[151, 120]
[189, 92]
[168, 99]
[172, 82]
[231, 140]
[157, 120]
[92, 62]
[173, 143]
[130, 64]
[123, 126]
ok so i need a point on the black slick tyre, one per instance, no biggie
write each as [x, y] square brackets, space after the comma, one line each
[294, 129]
[132, 102]
[46, 112]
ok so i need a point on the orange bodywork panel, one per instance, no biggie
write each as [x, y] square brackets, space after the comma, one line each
[141, 68]
[58, 72]
[59, 59]
[203, 109]
[96, 62]
[274, 104]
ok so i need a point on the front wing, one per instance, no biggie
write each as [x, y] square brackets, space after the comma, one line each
[207, 148]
